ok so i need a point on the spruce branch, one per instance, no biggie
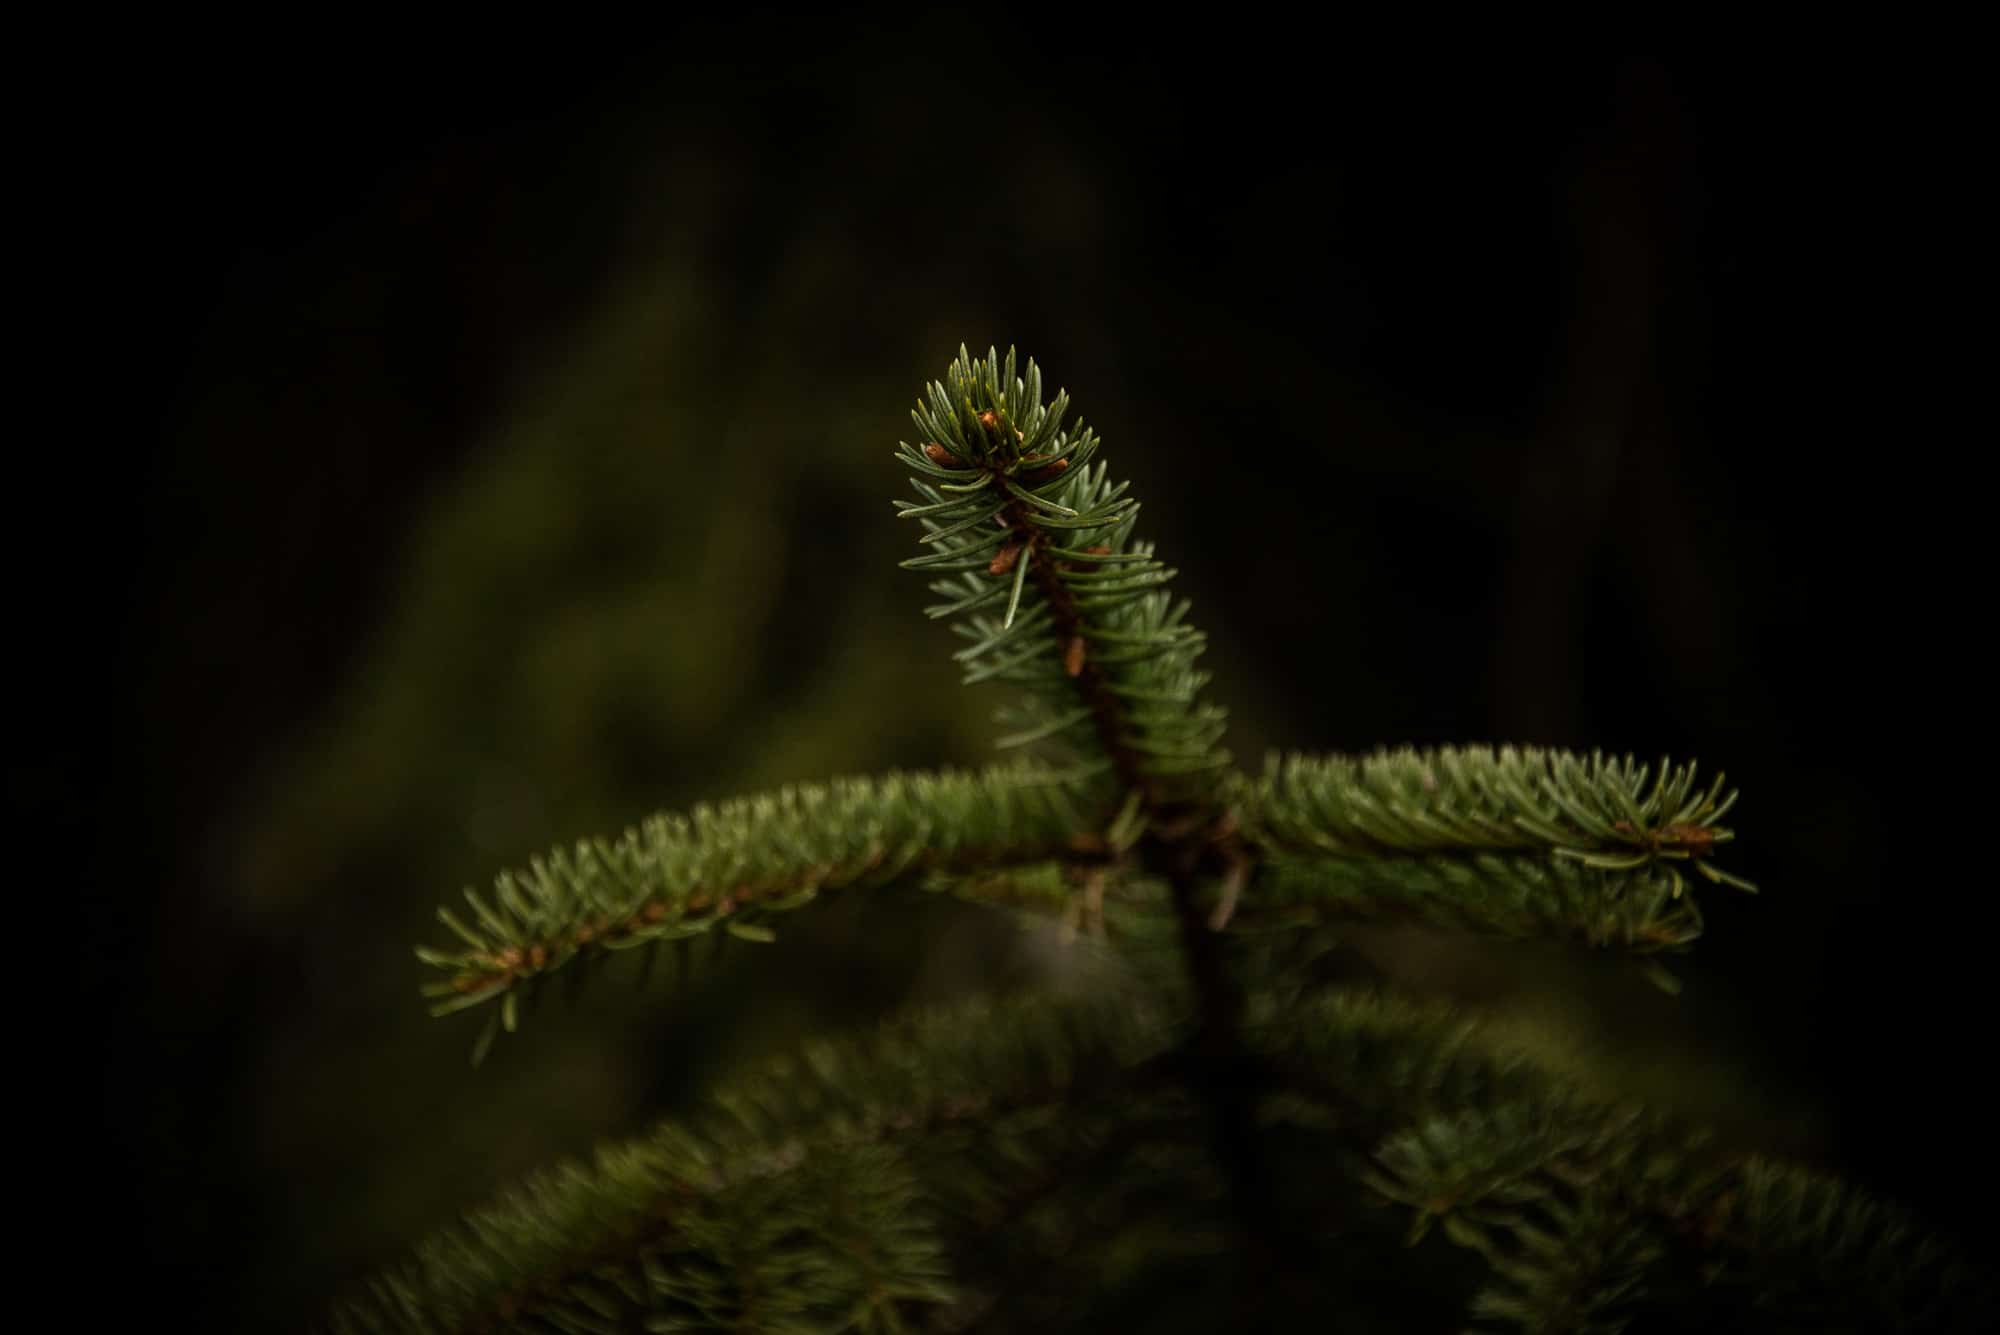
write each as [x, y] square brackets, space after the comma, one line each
[1797, 1245]
[1054, 593]
[1018, 512]
[1526, 1187]
[1589, 1209]
[1514, 841]
[1373, 1063]
[1642, 911]
[736, 865]
[721, 1219]
[1588, 1216]
[1598, 811]
[855, 1185]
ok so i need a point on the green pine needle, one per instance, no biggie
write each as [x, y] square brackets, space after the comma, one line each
[1037, 1159]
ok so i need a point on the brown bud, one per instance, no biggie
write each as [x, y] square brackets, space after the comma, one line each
[1054, 470]
[1003, 561]
[989, 420]
[1073, 656]
[1697, 839]
[943, 457]
[1097, 549]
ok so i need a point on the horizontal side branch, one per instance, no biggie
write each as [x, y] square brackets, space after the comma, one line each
[1503, 894]
[1603, 812]
[736, 864]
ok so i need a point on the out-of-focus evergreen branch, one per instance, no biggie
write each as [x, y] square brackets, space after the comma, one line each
[1589, 1210]
[1526, 1185]
[1804, 1248]
[1105, 901]
[1375, 1062]
[800, 1200]
[1590, 1216]
[1502, 894]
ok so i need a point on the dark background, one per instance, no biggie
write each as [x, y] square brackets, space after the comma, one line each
[494, 445]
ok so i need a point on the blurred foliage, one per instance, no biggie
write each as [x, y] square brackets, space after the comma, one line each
[661, 567]
[642, 594]
[667, 579]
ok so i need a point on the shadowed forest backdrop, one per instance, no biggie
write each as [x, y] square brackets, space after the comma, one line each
[515, 460]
